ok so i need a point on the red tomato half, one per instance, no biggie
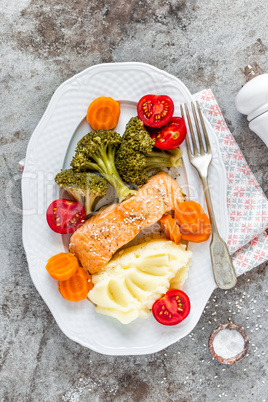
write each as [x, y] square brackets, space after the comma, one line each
[155, 110]
[171, 135]
[172, 308]
[64, 216]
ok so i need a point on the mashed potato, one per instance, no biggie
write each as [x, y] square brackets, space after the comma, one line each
[134, 278]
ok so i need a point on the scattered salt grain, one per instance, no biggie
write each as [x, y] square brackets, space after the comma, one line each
[228, 343]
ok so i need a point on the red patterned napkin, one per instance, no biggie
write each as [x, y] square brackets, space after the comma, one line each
[247, 204]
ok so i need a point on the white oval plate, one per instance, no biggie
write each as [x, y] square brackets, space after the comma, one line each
[50, 148]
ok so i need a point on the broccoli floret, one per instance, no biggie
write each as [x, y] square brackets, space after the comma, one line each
[159, 159]
[96, 151]
[137, 155]
[136, 137]
[86, 188]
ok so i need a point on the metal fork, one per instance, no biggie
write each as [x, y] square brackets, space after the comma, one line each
[200, 156]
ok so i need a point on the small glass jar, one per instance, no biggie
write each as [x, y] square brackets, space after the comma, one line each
[233, 359]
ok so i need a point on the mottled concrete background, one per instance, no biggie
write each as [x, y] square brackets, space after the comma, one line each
[204, 43]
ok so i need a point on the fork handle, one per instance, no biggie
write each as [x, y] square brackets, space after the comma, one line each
[222, 266]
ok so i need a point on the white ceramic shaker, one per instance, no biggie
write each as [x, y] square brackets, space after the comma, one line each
[252, 100]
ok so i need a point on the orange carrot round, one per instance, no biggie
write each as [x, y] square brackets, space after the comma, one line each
[77, 287]
[62, 266]
[103, 113]
[188, 214]
[170, 227]
[203, 233]
[194, 223]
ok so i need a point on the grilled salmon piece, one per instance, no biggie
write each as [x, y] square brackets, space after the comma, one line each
[95, 242]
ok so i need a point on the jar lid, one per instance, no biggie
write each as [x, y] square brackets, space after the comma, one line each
[258, 112]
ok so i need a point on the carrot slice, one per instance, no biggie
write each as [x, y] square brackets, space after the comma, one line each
[203, 233]
[188, 214]
[194, 223]
[77, 287]
[103, 113]
[62, 266]
[170, 227]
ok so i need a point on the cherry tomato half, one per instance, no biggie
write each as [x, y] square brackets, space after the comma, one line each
[172, 308]
[171, 135]
[155, 110]
[64, 216]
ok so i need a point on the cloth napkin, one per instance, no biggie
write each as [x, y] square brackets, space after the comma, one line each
[247, 204]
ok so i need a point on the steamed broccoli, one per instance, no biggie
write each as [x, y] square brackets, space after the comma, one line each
[86, 188]
[96, 151]
[137, 155]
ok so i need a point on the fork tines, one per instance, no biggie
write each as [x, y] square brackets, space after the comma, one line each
[199, 144]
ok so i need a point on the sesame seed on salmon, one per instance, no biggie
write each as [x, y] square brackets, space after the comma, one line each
[95, 242]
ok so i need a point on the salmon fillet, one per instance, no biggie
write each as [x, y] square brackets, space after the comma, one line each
[95, 242]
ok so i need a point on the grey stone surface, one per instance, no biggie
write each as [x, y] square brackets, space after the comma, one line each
[205, 44]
